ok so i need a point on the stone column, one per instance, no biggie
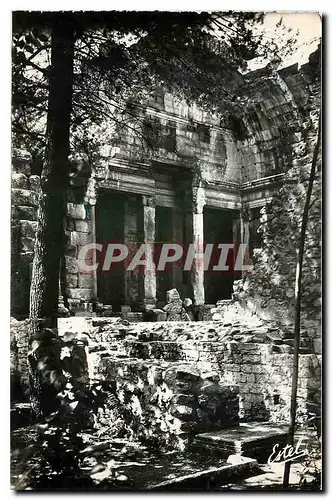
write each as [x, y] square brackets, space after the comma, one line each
[93, 239]
[131, 240]
[197, 270]
[149, 225]
[91, 199]
[187, 240]
[177, 219]
[245, 218]
[236, 239]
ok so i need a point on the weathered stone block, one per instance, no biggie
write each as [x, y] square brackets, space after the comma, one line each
[247, 368]
[85, 280]
[82, 226]
[24, 197]
[187, 373]
[19, 181]
[71, 280]
[318, 345]
[26, 257]
[34, 182]
[28, 244]
[212, 376]
[76, 211]
[183, 399]
[207, 356]
[70, 225]
[183, 411]
[80, 293]
[28, 228]
[71, 265]
[24, 213]
[232, 368]
[251, 347]
[191, 355]
[79, 239]
[251, 358]
[234, 358]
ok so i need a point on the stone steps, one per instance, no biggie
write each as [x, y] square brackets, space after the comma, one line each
[255, 440]
[209, 479]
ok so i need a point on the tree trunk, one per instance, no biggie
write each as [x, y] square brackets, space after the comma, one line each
[49, 246]
[297, 307]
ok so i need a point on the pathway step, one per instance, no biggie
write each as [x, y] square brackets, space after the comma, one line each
[255, 439]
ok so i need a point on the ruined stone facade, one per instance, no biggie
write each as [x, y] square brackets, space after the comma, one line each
[194, 180]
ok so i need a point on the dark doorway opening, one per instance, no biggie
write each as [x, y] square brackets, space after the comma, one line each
[110, 229]
[164, 234]
[218, 228]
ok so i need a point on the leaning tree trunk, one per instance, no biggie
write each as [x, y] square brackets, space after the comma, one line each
[297, 307]
[49, 245]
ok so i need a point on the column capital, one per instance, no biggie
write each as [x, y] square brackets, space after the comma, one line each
[246, 214]
[149, 201]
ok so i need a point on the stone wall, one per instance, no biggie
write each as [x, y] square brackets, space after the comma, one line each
[269, 290]
[77, 285]
[19, 368]
[173, 132]
[25, 194]
[254, 356]
[195, 398]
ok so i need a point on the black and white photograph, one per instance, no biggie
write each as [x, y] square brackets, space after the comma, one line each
[166, 240]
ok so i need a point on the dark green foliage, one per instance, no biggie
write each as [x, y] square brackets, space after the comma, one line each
[68, 405]
[129, 55]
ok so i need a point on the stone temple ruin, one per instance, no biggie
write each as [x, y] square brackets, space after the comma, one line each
[202, 181]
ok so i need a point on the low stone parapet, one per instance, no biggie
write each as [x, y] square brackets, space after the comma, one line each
[256, 358]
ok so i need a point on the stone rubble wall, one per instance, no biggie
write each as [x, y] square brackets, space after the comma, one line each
[25, 189]
[24, 199]
[19, 368]
[195, 398]
[257, 358]
[269, 290]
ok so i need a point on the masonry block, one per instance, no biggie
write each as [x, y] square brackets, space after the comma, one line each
[28, 244]
[76, 211]
[82, 226]
[28, 228]
[24, 197]
[19, 181]
[24, 212]
[80, 293]
[34, 183]
[71, 265]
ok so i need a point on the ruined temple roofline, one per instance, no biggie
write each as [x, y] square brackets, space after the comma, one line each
[123, 165]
